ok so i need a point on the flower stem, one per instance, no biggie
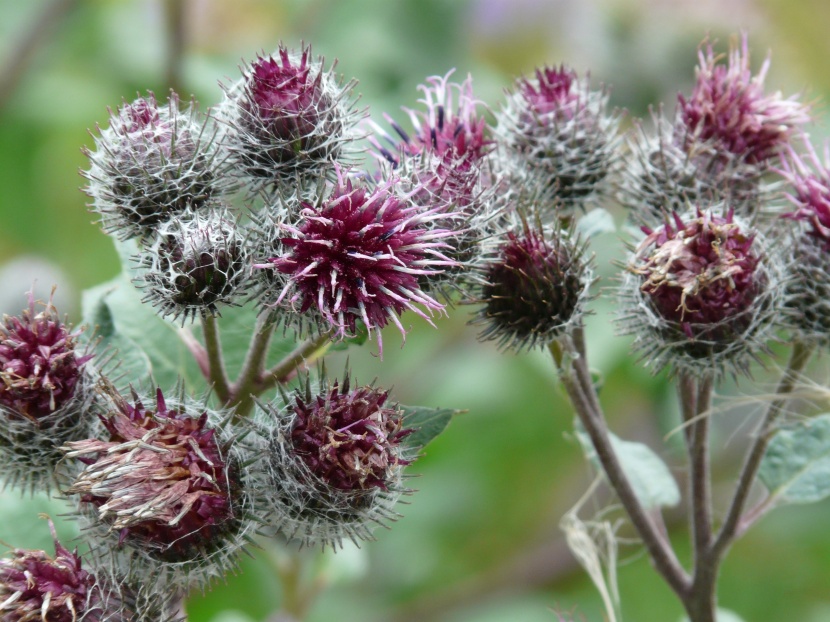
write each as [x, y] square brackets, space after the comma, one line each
[799, 357]
[216, 364]
[695, 401]
[253, 381]
[304, 354]
[573, 372]
[245, 388]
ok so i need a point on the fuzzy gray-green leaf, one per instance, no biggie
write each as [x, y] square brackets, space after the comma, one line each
[651, 479]
[796, 467]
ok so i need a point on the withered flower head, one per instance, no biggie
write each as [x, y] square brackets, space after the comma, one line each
[162, 480]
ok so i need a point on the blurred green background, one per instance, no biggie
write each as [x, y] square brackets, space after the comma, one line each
[480, 539]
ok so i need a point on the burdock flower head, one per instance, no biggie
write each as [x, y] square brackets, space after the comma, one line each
[336, 462]
[555, 129]
[166, 484]
[809, 179]
[729, 112]
[151, 164]
[705, 291]
[40, 366]
[533, 287]
[442, 166]
[288, 114]
[36, 586]
[662, 178]
[194, 265]
[451, 123]
[363, 256]
[44, 393]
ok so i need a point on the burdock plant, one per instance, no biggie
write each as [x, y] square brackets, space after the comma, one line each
[264, 222]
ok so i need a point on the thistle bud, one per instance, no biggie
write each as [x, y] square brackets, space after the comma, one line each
[336, 462]
[152, 163]
[705, 291]
[662, 178]
[167, 485]
[556, 129]
[288, 114]
[533, 288]
[44, 394]
[362, 256]
[194, 265]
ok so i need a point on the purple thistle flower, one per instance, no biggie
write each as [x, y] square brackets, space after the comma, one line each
[556, 135]
[704, 293]
[810, 180]
[162, 480]
[284, 100]
[555, 91]
[364, 255]
[40, 367]
[35, 586]
[348, 439]
[809, 288]
[729, 109]
[532, 289]
[442, 169]
[450, 125]
[335, 461]
[288, 114]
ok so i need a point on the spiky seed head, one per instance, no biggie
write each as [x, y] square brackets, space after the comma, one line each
[533, 288]
[555, 128]
[37, 586]
[151, 164]
[336, 462]
[705, 288]
[166, 485]
[808, 289]
[729, 110]
[361, 256]
[288, 115]
[194, 265]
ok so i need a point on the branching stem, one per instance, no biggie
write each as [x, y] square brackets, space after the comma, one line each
[216, 364]
[573, 372]
[799, 357]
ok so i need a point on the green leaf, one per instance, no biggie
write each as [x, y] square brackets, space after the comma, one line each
[151, 347]
[796, 467]
[427, 423]
[147, 346]
[651, 479]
